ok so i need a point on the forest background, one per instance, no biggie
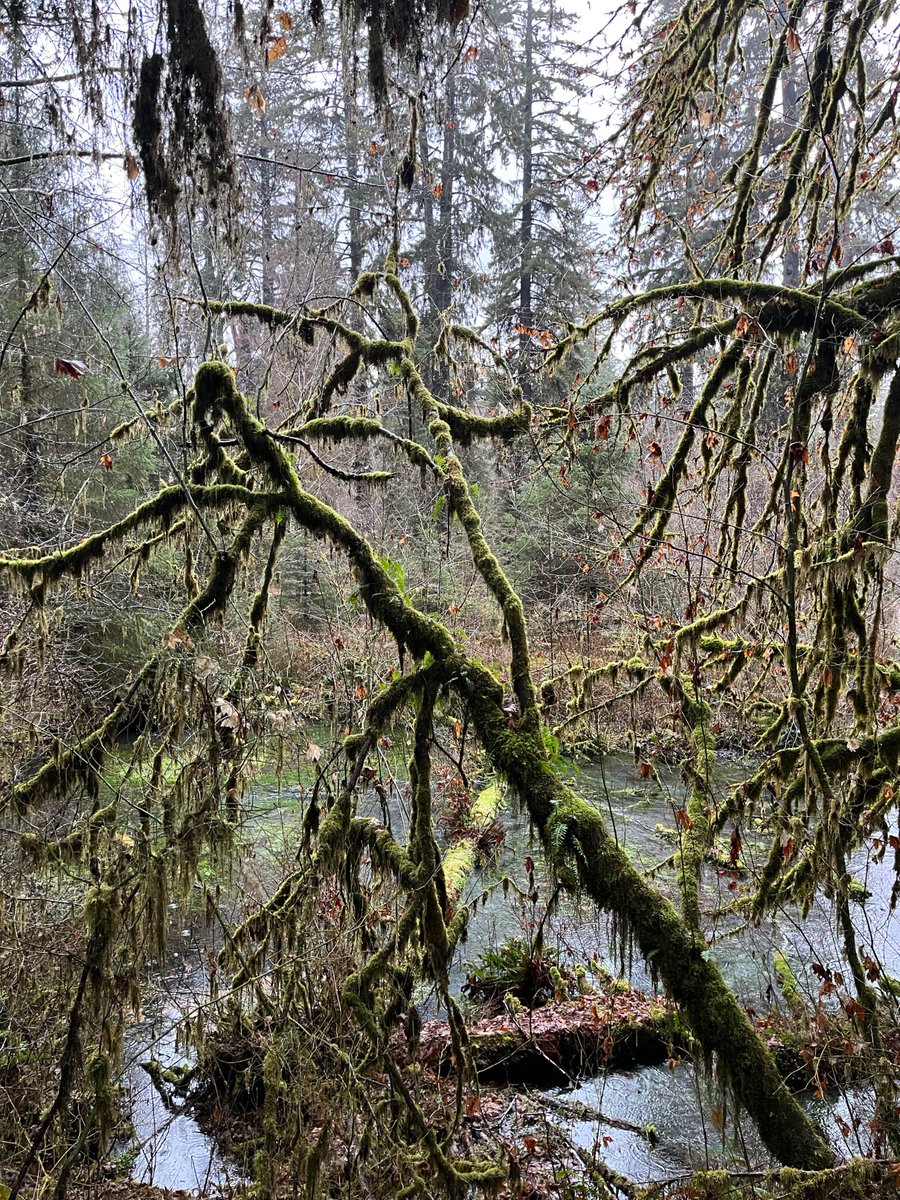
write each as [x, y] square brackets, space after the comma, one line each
[626, 304]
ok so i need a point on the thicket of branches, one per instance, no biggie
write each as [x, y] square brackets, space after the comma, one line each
[771, 350]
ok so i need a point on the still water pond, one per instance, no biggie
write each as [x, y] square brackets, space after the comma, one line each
[692, 1129]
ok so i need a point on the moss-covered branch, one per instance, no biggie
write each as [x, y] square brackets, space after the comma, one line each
[585, 855]
[696, 821]
[41, 572]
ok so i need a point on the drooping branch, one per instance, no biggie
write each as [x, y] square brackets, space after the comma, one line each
[40, 573]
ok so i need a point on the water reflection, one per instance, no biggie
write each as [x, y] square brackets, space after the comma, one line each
[170, 1150]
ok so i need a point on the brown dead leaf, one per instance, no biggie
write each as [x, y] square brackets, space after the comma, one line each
[256, 101]
[277, 50]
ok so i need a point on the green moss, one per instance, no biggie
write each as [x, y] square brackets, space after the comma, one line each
[854, 1180]
[459, 860]
[484, 809]
[458, 864]
[340, 427]
[858, 892]
[787, 985]
[715, 1185]
[43, 572]
[696, 825]
[266, 314]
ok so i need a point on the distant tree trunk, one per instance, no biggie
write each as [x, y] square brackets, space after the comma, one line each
[266, 195]
[446, 266]
[29, 405]
[438, 216]
[359, 391]
[351, 143]
[526, 309]
[790, 275]
[773, 411]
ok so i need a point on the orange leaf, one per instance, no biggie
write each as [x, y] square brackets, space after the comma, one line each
[131, 167]
[683, 819]
[107, 461]
[278, 49]
[285, 20]
[438, 190]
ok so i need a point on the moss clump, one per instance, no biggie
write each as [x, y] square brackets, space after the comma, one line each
[787, 985]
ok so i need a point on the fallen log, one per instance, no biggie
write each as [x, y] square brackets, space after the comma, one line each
[560, 1040]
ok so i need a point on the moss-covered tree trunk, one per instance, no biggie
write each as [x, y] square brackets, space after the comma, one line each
[589, 860]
